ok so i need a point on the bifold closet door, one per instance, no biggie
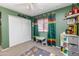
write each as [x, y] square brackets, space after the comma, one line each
[19, 30]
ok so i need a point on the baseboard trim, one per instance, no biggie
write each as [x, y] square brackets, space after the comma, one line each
[5, 49]
[13, 46]
[58, 47]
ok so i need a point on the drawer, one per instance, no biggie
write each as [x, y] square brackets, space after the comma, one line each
[73, 40]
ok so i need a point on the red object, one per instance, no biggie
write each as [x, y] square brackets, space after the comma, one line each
[75, 10]
[78, 10]
[49, 41]
[51, 20]
[53, 42]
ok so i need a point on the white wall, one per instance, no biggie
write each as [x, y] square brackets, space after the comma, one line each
[19, 30]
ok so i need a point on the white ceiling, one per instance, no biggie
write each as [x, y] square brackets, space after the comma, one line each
[33, 9]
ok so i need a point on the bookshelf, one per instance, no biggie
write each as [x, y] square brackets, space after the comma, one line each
[70, 41]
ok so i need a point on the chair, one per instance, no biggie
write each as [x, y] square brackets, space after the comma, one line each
[44, 42]
[44, 34]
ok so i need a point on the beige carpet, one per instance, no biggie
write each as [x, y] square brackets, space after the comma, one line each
[19, 49]
[35, 51]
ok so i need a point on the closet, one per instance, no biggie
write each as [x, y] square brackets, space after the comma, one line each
[19, 30]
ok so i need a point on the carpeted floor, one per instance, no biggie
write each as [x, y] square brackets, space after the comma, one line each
[24, 47]
[35, 51]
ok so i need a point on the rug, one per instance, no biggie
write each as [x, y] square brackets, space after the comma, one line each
[35, 51]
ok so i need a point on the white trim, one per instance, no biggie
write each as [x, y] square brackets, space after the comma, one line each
[22, 31]
[14, 46]
[58, 47]
[5, 49]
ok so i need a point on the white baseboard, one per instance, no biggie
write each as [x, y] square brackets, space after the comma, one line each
[58, 47]
[13, 46]
[5, 49]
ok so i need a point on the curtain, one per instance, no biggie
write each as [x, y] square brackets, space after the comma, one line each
[34, 29]
[51, 30]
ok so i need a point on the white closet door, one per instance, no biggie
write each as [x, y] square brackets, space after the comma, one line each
[19, 30]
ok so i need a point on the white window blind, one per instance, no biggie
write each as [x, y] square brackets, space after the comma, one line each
[43, 25]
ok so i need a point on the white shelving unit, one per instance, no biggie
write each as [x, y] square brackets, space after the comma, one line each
[70, 49]
[72, 40]
[71, 35]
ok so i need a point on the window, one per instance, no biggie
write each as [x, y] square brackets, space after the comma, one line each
[43, 25]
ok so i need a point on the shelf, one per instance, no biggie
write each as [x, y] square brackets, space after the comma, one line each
[74, 15]
[66, 41]
[71, 23]
[71, 35]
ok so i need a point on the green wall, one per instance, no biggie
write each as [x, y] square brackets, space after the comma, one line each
[60, 23]
[5, 29]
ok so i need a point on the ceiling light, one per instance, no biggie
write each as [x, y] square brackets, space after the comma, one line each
[30, 6]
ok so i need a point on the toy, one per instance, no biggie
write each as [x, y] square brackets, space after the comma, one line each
[75, 9]
[77, 19]
[70, 13]
[65, 51]
[62, 49]
[72, 29]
